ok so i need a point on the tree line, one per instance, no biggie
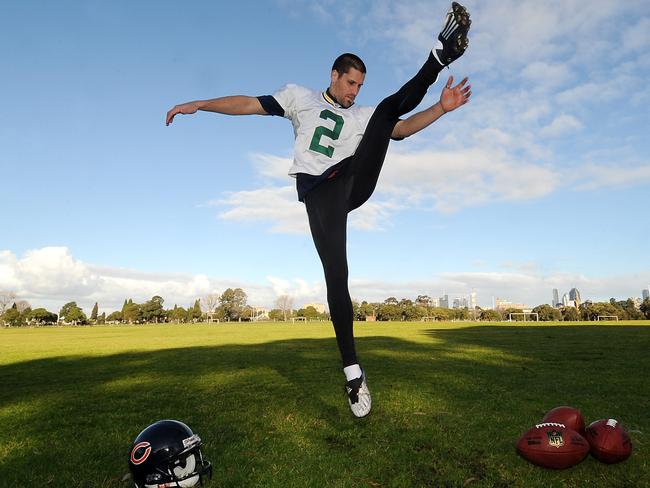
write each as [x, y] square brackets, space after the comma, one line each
[231, 305]
[421, 309]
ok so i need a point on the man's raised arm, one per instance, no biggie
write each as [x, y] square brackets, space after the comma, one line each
[450, 99]
[234, 105]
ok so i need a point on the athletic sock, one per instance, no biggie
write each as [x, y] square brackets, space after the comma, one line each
[433, 67]
[352, 372]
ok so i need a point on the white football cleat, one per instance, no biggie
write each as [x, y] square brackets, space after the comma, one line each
[359, 396]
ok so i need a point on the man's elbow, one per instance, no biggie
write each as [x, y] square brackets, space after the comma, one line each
[399, 133]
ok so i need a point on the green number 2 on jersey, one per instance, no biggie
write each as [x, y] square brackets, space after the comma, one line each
[332, 134]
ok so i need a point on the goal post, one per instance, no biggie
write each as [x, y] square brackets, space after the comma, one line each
[608, 317]
[525, 314]
[298, 319]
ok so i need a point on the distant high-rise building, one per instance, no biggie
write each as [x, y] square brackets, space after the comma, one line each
[472, 300]
[565, 299]
[574, 296]
[556, 298]
[444, 301]
[435, 302]
[456, 303]
[646, 293]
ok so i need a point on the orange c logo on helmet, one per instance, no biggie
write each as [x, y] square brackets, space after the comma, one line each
[143, 457]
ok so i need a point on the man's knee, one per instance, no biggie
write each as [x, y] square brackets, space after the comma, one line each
[336, 278]
[388, 107]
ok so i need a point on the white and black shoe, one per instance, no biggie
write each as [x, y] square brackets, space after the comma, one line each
[452, 40]
[359, 396]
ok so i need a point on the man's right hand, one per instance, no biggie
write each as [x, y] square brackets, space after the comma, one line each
[185, 108]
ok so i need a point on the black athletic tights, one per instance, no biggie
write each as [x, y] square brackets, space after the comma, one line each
[330, 202]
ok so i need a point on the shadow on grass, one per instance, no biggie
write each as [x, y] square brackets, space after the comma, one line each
[447, 410]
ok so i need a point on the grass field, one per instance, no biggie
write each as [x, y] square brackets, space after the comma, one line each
[450, 401]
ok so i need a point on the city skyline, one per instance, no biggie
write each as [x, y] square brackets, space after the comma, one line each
[443, 301]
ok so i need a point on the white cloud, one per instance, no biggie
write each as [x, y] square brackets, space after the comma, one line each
[444, 180]
[278, 209]
[275, 206]
[373, 215]
[447, 181]
[452, 180]
[525, 267]
[504, 34]
[270, 166]
[8, 278]
[599, 91]
[638, 36]
[50, 271]
[592, 177]
[561, 126]
[535, 112]
[51, 276]
[88, 283]
[528, 286]
[53, 270]
[546, 74]
[299, 289]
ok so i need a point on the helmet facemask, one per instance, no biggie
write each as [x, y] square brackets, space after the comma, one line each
[184, 470]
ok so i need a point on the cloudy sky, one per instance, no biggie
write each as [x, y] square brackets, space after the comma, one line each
[542, 181]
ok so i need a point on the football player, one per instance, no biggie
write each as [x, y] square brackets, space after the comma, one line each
[338, 154]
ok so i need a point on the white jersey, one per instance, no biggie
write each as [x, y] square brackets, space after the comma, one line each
[325, 132]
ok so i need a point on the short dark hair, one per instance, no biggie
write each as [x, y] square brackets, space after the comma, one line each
[345, 61]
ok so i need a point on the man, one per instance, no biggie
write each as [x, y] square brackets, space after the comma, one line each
[338, 154]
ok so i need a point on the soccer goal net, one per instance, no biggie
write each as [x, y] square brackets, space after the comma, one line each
[525, 315]
[608, 317]
[298, 319]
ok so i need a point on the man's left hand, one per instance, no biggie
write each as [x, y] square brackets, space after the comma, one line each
[452, 98]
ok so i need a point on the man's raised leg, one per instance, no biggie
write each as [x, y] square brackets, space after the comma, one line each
[369, 156]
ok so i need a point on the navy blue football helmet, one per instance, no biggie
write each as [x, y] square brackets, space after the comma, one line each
[168, 454]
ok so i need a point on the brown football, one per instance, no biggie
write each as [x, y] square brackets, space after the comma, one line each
[569, 416]
[608, 440]
[552, 445]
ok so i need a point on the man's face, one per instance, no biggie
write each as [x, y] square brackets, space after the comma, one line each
[345, 87]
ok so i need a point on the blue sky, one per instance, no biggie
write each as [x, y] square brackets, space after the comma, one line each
[542, 181]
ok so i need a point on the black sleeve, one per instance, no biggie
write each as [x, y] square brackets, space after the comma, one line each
[271, 105]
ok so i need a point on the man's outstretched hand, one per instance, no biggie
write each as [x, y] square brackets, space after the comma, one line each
[185, 108]
[452, 98]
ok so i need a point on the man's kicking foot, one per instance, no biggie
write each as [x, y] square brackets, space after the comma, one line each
[359, 396]
[452, 40]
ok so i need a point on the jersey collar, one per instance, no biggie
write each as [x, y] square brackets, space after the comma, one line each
[329, 98]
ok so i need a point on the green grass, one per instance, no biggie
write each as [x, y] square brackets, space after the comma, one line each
[450, 401]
